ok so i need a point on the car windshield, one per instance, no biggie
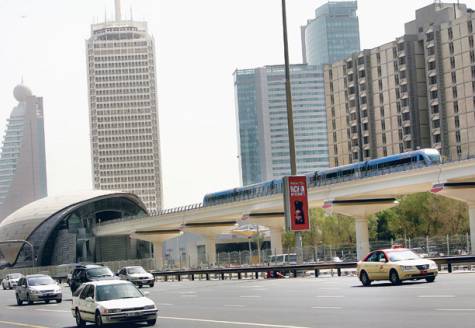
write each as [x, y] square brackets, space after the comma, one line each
[402, 256]
[14, 276]
[292, 258]
[99, 272]
[40, 281]
[136, 270]
[116, 291]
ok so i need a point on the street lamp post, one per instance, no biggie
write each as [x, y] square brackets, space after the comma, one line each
[290, 122]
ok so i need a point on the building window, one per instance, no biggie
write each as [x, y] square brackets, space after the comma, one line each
[406, 116]
[436, 124]
[408, 144]
[459, 151]
[457, 121]
[435, 109]
[366, 153]
[400, 134]
[401, 148]
[349, 64]
[437, 138]
[383, 137]
[433, 79]
[456, 107]
[365, 126]
[383, 125]
[381, 110]
[457, 136]
[433, 94]
[378, 58]
[451, 48]
[407, 130]
[402, 60]
[380, 85]
[473, 72]
[334, 137]
[431, 65]
[360, 60]
[381, 98]
[454, 92]
[362, 74]
[454, 77]
[363, 100]
[450, 33]
[470, 41]
[452, 62]
[385, 151]
[472, 56]
[431, 51]
[399, 121]
[429, 36]
[398, 107]
[469, 26]
[335, 149]
[365, 140]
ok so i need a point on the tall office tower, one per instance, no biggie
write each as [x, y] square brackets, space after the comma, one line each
[332, 35]
[23, 160]
[262, 121]
[415, 92]
[123, 109]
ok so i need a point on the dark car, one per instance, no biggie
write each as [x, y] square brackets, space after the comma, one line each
[89, 272]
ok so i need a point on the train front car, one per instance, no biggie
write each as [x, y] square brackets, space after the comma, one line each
[431, 156]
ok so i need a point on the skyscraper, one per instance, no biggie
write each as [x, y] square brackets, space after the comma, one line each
[262, 118]
[23, 160]
[332, 35]
[125, 142]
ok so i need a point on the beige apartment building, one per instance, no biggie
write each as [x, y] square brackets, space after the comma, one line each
[414, 92]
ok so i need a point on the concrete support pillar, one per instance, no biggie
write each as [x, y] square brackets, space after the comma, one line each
[471, 216]
[211, 250]
[158, 254]
[362, 238]
[276, 240]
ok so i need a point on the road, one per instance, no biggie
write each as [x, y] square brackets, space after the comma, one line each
[285, 303]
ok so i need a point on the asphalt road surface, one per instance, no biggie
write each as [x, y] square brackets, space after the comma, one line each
[284, 303]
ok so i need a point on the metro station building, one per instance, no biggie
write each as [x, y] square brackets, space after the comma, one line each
[62, 230]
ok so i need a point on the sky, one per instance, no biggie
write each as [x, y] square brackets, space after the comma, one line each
[199, 44]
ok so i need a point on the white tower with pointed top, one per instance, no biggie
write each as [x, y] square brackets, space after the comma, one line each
[125, 141]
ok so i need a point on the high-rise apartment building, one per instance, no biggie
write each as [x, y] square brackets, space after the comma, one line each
[332, 35]
[23, 160]
[262, 121]
[414, 92]
[125, 142]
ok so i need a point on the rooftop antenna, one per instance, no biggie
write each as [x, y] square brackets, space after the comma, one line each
[117, 11]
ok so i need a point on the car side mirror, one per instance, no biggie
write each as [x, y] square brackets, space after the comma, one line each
[89, 299]
[382, 260]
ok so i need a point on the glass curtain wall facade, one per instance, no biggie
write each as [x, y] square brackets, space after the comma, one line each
[262, 118]
[333, 34]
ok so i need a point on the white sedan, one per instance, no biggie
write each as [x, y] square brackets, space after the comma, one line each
[11, 280]
[112, 301]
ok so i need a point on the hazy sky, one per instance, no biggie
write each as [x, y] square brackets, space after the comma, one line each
[199, 44]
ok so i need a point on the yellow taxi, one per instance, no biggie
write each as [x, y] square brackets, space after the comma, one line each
[395, 264]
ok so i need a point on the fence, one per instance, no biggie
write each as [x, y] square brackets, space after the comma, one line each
[455, 245]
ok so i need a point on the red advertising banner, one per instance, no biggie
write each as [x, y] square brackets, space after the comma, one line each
[296, 203]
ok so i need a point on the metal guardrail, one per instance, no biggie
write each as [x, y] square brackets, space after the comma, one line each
[294, 269]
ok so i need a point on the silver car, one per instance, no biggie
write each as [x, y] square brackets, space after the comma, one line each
[137, 275]
[38, 288]
[11, 280]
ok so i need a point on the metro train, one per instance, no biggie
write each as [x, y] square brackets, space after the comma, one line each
[388, 164]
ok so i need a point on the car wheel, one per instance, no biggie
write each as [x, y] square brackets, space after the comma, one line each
[98, 320]
[28, 299]
[4, 288]
[430, 279]
[140, 285]
[79, 321]
[365, 279]
[394, 278]
[59, 300]
[47, 301]
[151, 322]
[19, 302]
[152, 284]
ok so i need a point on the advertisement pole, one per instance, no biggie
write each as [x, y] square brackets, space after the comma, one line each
[290, 123]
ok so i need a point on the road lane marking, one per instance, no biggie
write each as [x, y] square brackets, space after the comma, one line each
[48, 310]
[327, 307]
[329, 288]
[455, 310]
[250, 296]
[436, 296]
[165, 304]
[233, 305]
[330, 296]
[18, 324]
[186, 293]
[236, 323]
